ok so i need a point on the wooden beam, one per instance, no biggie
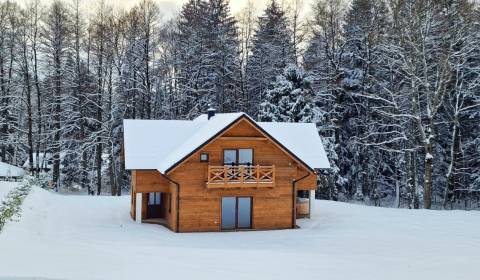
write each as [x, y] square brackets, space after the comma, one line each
[138, 210]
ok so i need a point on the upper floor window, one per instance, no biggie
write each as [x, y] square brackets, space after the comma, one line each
[238, 157]
[204, 157]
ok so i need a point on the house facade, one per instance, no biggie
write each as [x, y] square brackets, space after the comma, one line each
[222, 172]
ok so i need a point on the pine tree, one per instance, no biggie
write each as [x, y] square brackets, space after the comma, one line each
[365, 31]
[208, 66]
[323, 61]
[289, 99]
[272, 51]
[222, 63]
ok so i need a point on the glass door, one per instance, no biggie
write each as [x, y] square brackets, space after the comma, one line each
[230, 157]
[229, 206]
[245, 157]
[236, 212]
[244, 212]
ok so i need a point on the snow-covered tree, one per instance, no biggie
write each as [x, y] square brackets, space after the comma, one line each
[272, 51]
[290, 98]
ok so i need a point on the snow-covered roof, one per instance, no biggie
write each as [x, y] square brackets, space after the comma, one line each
[301, 139]
[147, 142]
[8, 170]
[161, 144]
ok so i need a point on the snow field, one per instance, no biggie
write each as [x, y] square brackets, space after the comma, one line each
[82, 237]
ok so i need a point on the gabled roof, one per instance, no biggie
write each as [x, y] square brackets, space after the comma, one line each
[161, 144]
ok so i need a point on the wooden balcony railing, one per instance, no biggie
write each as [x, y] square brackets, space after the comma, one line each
[241, 176]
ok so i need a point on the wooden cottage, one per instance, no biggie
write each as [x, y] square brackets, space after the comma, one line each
[222, 172]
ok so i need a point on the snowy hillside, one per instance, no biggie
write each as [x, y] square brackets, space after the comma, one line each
[82, 237]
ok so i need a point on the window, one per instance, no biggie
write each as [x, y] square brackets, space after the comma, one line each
[238, 157]
[245, 157]
[154, 198]
[230, 157]
[204, 157]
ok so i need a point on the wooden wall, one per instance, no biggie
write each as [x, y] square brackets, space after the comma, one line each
[145, 181]
[200, 208]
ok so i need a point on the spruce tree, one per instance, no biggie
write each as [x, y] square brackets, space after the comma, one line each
[272, 51]
[365, 31]
[208, 66]
[289, 99]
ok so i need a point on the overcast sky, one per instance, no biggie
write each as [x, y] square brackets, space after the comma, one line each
[170, 7]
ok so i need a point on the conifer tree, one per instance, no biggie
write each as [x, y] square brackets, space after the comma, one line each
[289, 99]
[272, 51]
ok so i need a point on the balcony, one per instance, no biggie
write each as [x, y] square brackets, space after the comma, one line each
[241, 177]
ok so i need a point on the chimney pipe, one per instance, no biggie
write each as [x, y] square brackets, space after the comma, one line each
[210, 112]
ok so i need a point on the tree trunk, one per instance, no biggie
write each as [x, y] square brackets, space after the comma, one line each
[98, 164]
[453, 159]
[29, 116]
[28, 90]
[39, 106]
[111, 171]
[56, 117]
[427, 187]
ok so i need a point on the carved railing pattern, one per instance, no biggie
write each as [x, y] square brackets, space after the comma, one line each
[241, 174]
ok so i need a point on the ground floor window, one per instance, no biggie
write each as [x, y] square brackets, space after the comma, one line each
[236, 212]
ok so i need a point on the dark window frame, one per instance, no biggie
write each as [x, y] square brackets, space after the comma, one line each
[206, 154]
[237, 150]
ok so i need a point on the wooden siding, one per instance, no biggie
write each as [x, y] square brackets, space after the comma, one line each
[309, 183]
[200, 207]
[145, 181]
[151, 181]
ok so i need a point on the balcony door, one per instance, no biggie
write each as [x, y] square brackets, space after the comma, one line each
[236, 212]
[238, 157]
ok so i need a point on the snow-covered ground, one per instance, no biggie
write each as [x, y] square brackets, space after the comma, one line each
[82, 237]
[5, 188]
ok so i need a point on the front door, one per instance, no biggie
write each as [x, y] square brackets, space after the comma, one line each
[236, 212]
[154, 205]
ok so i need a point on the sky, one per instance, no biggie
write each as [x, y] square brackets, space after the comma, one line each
[170, 7]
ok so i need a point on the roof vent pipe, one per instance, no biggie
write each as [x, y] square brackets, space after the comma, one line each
[211, 112]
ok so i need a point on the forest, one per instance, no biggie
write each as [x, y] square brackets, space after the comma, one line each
[393, 86]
